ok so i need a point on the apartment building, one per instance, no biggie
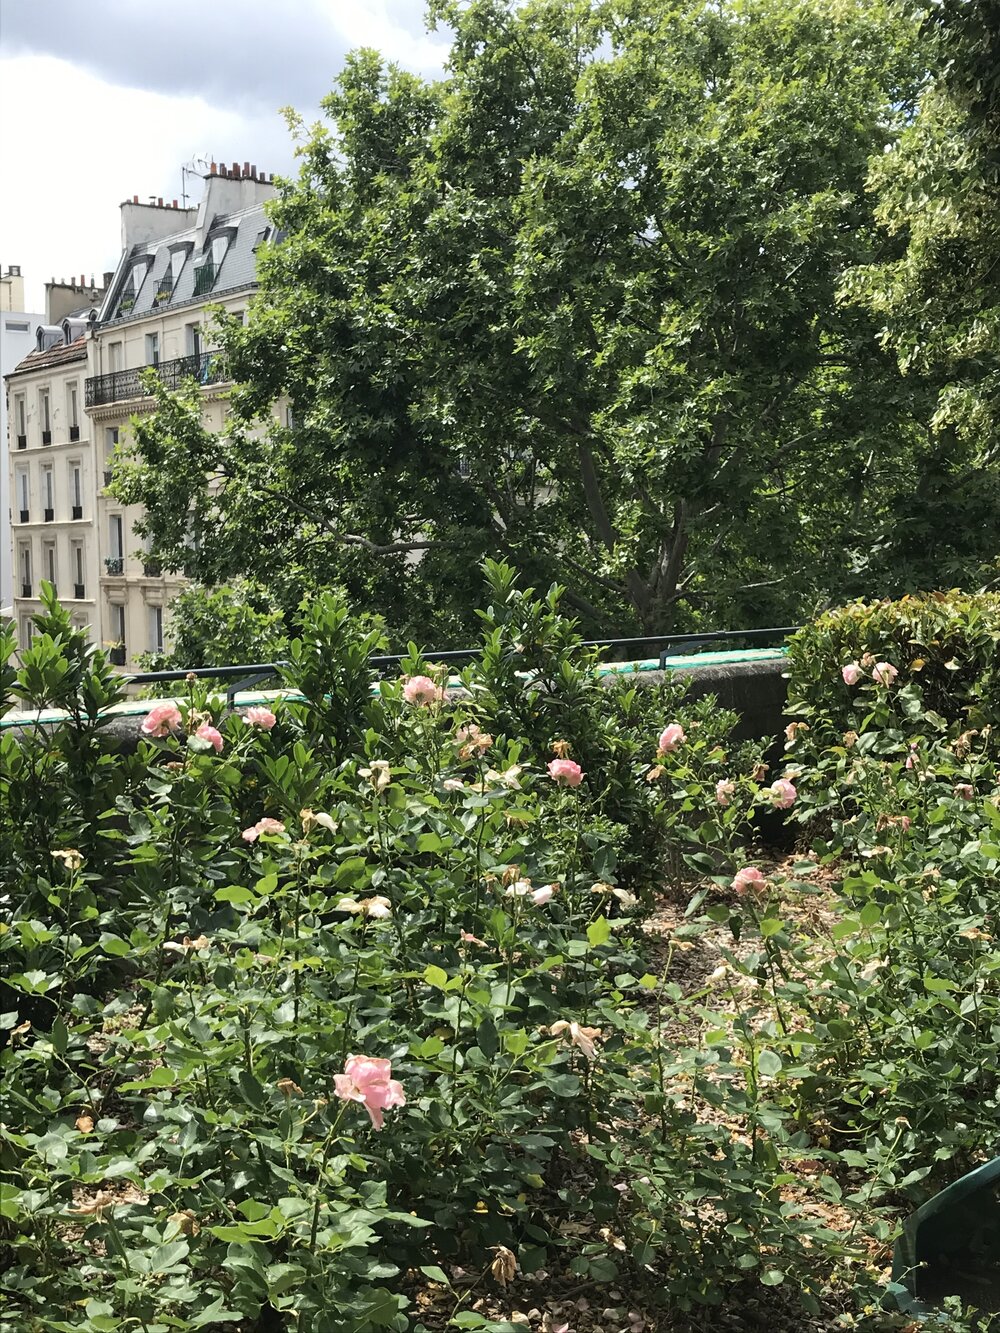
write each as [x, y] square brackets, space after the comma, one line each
[175, 264]
[17, 337]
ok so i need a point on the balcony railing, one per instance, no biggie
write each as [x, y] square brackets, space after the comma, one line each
[74, 434]
[108, 474]
[204, 278]
[151, 569]
[164, 291]
[23, 515]
[121, 385]
[77, 511]
[49, 515]
[115, 566]
[22, 441]
[79, 591]
[46, 437]
[25, 589]
[116, 654]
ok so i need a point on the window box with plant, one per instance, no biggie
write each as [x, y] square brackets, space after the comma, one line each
[116, 653]
[114, 565]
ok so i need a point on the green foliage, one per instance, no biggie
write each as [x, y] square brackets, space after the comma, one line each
[182, 983]
[946, 648]
[220, 627]
[572, 306]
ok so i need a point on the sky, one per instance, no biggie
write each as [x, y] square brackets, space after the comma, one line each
[101, 100]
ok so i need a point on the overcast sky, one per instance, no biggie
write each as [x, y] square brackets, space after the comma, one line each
[104, 99]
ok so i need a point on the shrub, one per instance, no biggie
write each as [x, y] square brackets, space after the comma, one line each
[199, 938]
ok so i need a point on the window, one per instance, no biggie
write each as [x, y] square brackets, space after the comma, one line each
[116, 357]
[261, 237]
[117, 623]
[220, 245]
[152, 349]
[24, 565]
[21, 485]
[15, 326]
[21, 421]
[27, 631]
[177, 258]
[138, 278]
[156, 629]
[48, 494]
[76, 561]
[49, 562]
[73, 410]
[45, 415]
[289, 418]
[192, 335]
[110, 445]
[116, 546]
[76, 489]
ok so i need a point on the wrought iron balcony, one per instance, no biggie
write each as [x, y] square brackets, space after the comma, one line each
[79, 591]
[74, 434]
[108, 474]
[46, 437]
[25, 589]
[164, 291]
[22, 441]
[116, 654]
[49, 515]
[204, 278]
[151, 569]
[78, 511]
[115, 566]
[121, 385]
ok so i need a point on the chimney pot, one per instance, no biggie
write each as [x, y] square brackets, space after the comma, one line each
[173, 204]
[236, 170]
[212, 169]
[253, 172]
[159, 202]
[246, 168]
[135, 199]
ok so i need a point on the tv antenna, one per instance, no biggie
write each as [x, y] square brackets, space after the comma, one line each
[198, 166]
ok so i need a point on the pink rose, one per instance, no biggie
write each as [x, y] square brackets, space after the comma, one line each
[259, 717]
[884, 673]
[904, 823]
[208, 733]
[565, 772]
[161, 719]
[965, 790]
[420, 690]
[782, 794]
[670, 738]
[367, 1081]
[265, 825]
[748, 878]
[724, 791]
[852, 673]
[468, 938]
[543, 895]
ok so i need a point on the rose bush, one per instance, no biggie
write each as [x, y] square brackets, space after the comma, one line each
[215, 952]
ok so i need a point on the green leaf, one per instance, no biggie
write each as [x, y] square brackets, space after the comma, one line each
[435, 1274]
[436, 977]
[598, 932]
[769, 1062]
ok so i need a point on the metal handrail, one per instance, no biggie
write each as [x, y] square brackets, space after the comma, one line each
[121, 385]
[254, 672]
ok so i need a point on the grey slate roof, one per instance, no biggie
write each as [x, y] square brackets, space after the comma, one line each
[238, 271]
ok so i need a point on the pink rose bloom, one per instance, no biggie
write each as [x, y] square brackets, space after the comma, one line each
[466, 938]
[161, 720]
[543, 895]
[904, 823]
[265, 825]
[367, 1081]
[208, 733]
[420, 690]
[565, 772]
[671, 737]
[852, 673]
[724, 791]
[782, 794]
[884, 673]
[965, 790]
[748, 878]
[259, 717]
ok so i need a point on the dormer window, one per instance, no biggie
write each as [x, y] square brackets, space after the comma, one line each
[220, 244]
[138, 277]
[177, 258]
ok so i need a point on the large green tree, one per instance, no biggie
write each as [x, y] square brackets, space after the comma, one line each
[937, 294]
[573, 304]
